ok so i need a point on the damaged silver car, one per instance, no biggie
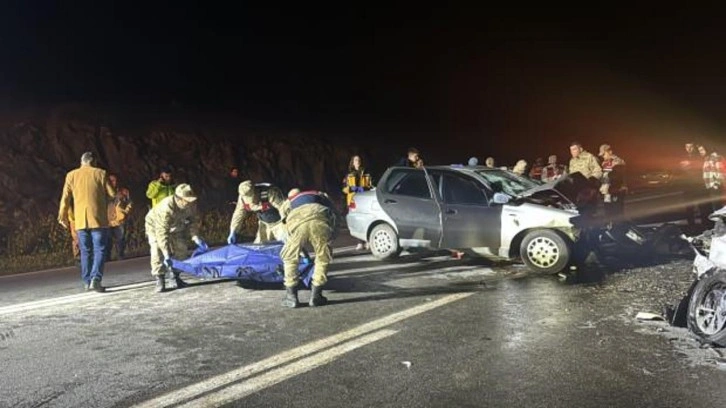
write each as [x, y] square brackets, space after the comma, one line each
[492, 213]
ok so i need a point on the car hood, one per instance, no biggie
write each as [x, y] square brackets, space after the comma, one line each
[564, 193]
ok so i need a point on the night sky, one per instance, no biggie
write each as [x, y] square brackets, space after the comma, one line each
[506, 82]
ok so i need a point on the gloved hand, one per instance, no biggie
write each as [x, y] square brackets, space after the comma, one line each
[167, 262]
[203, 247]
[232, 238]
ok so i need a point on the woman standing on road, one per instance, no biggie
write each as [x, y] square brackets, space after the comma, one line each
[357, 181]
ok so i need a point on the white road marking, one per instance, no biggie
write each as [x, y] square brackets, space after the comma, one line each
[223, 380]
[240, 390]
[145, 259]
[28, 306]
[343, 249]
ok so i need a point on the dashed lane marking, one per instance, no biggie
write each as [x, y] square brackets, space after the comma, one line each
[218, 383]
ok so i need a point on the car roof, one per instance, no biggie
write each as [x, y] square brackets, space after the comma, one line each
[457, 167]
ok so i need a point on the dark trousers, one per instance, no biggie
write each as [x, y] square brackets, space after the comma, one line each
[715, 200]
[615, 209]
[115, 238]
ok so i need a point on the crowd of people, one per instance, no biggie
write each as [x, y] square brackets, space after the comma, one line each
[702, 172]
[95, 208]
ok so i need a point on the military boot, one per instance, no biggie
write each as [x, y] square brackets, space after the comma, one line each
[316, 297]
[160, 283]
[290, 299]
[178, 282]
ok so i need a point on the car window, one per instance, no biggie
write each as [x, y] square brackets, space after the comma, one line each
[435, 177]
[409, 183]
[506, 182]
[459, 189]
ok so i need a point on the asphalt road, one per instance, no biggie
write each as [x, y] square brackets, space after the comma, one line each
[421, 332]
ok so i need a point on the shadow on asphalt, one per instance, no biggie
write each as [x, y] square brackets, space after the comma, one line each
[596, 269]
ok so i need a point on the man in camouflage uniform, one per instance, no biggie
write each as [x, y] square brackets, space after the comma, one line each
[265, 201]
[168, 227]
[613, 187]
[309, 217]
[584, 162]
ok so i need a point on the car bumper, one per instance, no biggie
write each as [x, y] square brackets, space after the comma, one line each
[358, 224]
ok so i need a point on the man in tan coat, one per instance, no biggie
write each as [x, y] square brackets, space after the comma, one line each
[88, 191]
[169, 224]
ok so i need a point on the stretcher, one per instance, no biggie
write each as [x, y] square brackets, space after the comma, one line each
[247, 263]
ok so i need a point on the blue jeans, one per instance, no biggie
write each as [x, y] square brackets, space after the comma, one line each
[93, 245]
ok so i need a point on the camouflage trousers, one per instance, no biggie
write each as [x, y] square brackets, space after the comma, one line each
[179, 247]
[267, 232]
[317, 232]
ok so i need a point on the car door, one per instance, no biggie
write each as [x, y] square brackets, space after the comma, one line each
[468, 219]
[404, 194]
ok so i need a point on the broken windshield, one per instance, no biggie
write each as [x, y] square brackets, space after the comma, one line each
[507, 182]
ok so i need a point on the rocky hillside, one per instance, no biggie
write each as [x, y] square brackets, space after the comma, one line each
[40, 147]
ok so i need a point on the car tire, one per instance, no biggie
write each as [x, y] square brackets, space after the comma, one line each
[707, 307]
[383, 242]
[545, 251]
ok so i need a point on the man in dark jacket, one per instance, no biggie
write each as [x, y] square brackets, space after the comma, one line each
[410, 159]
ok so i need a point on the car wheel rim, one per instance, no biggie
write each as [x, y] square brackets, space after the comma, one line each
[543, 252]
[382, 242]
[711, 313]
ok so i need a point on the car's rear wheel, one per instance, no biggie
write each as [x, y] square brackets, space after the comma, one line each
[707, 309]
[383, 242]
[545, 251]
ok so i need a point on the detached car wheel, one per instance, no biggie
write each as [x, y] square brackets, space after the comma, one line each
[383, 242]
[707, 309]
[545, 251]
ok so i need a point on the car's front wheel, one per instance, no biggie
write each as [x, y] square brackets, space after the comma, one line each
[545, 251]
[707, 309]
[383, 242]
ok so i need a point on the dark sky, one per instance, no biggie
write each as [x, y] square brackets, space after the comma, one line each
[502, 80]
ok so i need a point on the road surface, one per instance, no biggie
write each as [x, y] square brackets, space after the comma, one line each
[426, 331]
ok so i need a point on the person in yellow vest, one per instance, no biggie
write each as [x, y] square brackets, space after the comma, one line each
[357, 181]
[161, 188]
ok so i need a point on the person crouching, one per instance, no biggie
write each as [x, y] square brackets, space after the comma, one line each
[168, 227]
[309, 216]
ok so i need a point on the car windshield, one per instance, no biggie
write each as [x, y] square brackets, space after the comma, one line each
[507, 182]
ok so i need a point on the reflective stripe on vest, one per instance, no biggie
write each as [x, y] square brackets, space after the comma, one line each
[308, 197]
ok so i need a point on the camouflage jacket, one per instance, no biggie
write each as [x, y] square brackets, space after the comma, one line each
[167, 218]
[260, 204]
[586, 164]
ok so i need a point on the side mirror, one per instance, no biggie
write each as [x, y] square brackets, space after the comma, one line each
[500, 198]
